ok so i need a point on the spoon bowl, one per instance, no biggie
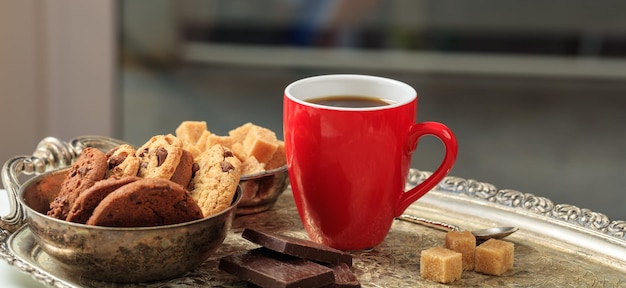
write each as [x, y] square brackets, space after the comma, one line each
[495, 233]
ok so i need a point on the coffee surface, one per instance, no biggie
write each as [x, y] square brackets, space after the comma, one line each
[349, 101]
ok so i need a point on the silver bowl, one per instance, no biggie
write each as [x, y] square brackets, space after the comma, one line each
[105, 253]
[261, 190]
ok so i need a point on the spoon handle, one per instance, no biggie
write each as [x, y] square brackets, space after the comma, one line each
[428, 223]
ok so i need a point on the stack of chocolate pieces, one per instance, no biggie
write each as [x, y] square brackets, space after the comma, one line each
[285, 261]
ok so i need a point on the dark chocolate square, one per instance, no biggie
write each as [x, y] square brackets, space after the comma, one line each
[267, 268]
[298, 247]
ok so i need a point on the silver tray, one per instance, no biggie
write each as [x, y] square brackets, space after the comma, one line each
[556, 246]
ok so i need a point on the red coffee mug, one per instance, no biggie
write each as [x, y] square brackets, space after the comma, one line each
[348, 166]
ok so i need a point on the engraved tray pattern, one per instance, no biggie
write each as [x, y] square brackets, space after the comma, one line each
[557, 245]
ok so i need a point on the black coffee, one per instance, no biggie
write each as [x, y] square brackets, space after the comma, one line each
[349, 101]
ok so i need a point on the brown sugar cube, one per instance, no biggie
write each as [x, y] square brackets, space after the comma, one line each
[225, 141]
[279, 159]
[464, 243]
[251, 166]
[237, 149]
[189, 132]
[494, 257]
[261, 143]
[239, 133]
[441, 265]
[201, 143]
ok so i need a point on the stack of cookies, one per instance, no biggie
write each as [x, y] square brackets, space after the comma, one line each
[127, 187]
[169, 179]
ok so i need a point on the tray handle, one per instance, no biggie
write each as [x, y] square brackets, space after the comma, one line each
[50, 154]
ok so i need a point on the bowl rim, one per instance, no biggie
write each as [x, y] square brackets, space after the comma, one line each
[233, 205]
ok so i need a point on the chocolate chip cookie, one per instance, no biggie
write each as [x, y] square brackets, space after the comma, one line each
[146, 202]
[89, 199]
[122, 162]
[184, 171]
[215, 182]
[159, 157]
[90, 167]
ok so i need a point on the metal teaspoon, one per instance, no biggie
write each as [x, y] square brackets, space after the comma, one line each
[483, 234]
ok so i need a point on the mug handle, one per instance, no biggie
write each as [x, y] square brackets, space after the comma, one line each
[448, 139]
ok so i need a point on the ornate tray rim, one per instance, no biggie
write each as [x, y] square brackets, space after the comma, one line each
[529, 204]
[525, 205]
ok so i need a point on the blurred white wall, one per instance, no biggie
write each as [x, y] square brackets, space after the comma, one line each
[21, 113]
[57, 71]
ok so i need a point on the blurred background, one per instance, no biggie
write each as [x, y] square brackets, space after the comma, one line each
[535, 90]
